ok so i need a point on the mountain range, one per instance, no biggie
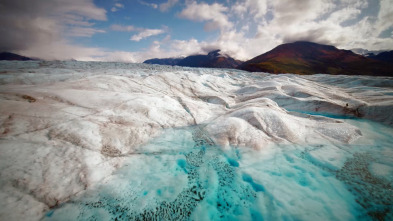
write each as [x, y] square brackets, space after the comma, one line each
[299, 58]
[214, 59]
[386, 56]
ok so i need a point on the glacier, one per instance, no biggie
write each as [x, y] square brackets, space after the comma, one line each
[118, 141]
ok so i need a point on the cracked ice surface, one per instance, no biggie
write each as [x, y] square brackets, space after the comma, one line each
[84, 140]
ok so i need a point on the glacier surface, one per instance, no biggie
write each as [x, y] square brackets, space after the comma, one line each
[93, 140]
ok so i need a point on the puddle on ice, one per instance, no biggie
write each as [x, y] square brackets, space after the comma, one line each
[182, 175]
[322, 114]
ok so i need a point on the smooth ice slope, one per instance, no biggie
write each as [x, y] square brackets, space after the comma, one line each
[67, 126]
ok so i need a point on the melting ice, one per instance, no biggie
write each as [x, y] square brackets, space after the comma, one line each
[182, 175]
[111, 141]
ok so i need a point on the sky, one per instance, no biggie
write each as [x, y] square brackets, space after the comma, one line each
[136, 30]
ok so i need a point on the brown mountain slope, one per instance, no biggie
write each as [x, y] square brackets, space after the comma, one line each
[311, 58]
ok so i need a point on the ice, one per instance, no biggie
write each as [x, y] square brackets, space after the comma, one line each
[86, 140]
[193, 178]
[382, 170]
[328, 156]
[264, 122]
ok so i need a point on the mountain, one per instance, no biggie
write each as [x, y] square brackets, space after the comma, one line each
[365, 52]
[312, 58]
[386, 56]
[213, 59]
[13, 57]
[163, 61]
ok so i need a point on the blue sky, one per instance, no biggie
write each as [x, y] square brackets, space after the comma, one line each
[143, 16]
[135, 30]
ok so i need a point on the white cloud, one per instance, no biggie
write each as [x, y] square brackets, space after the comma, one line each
[247, 27]
[289, 12]
[74, 20]
[345, 25]
[344, 14]
[83, 32]
[214, 14]
[116, 7]
[385, 16]
[119, 5]
[257, 29]
[117, 56]
[63, 50]
[25, 26]
[263, 24]
[153, 5]
[167, 5]
[127, 28]
[85, 8]
[146, 33]
[256, 8]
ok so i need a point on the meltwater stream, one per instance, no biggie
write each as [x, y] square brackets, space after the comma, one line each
[183, 175]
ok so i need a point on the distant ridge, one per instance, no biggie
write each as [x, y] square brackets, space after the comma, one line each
[311, 58]
[213, 59]
[8, 56]
[164, 61]
[365, 52]
[386, 56]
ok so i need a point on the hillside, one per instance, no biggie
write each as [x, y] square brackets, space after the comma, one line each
[311, 58]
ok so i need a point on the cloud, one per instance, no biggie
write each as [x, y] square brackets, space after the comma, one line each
[163, 7]
[28, 27]
[63, 50]
[41, 29]
[260, 25]
[247, 28]
[117, 56]
[145, 33]
[213, 14]
[119, 5]
[116, 7]
[83, 32]
[124, 28]
[385, 16]
[142, 32]
[256, 8]
[346, 25]
[152, 5]
[287, 12]
[167, 5]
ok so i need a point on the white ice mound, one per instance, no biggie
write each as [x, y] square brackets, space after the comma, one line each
[263, 123]
[348, 96]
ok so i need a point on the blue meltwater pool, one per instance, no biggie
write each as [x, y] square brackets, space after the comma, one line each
[184, 175]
